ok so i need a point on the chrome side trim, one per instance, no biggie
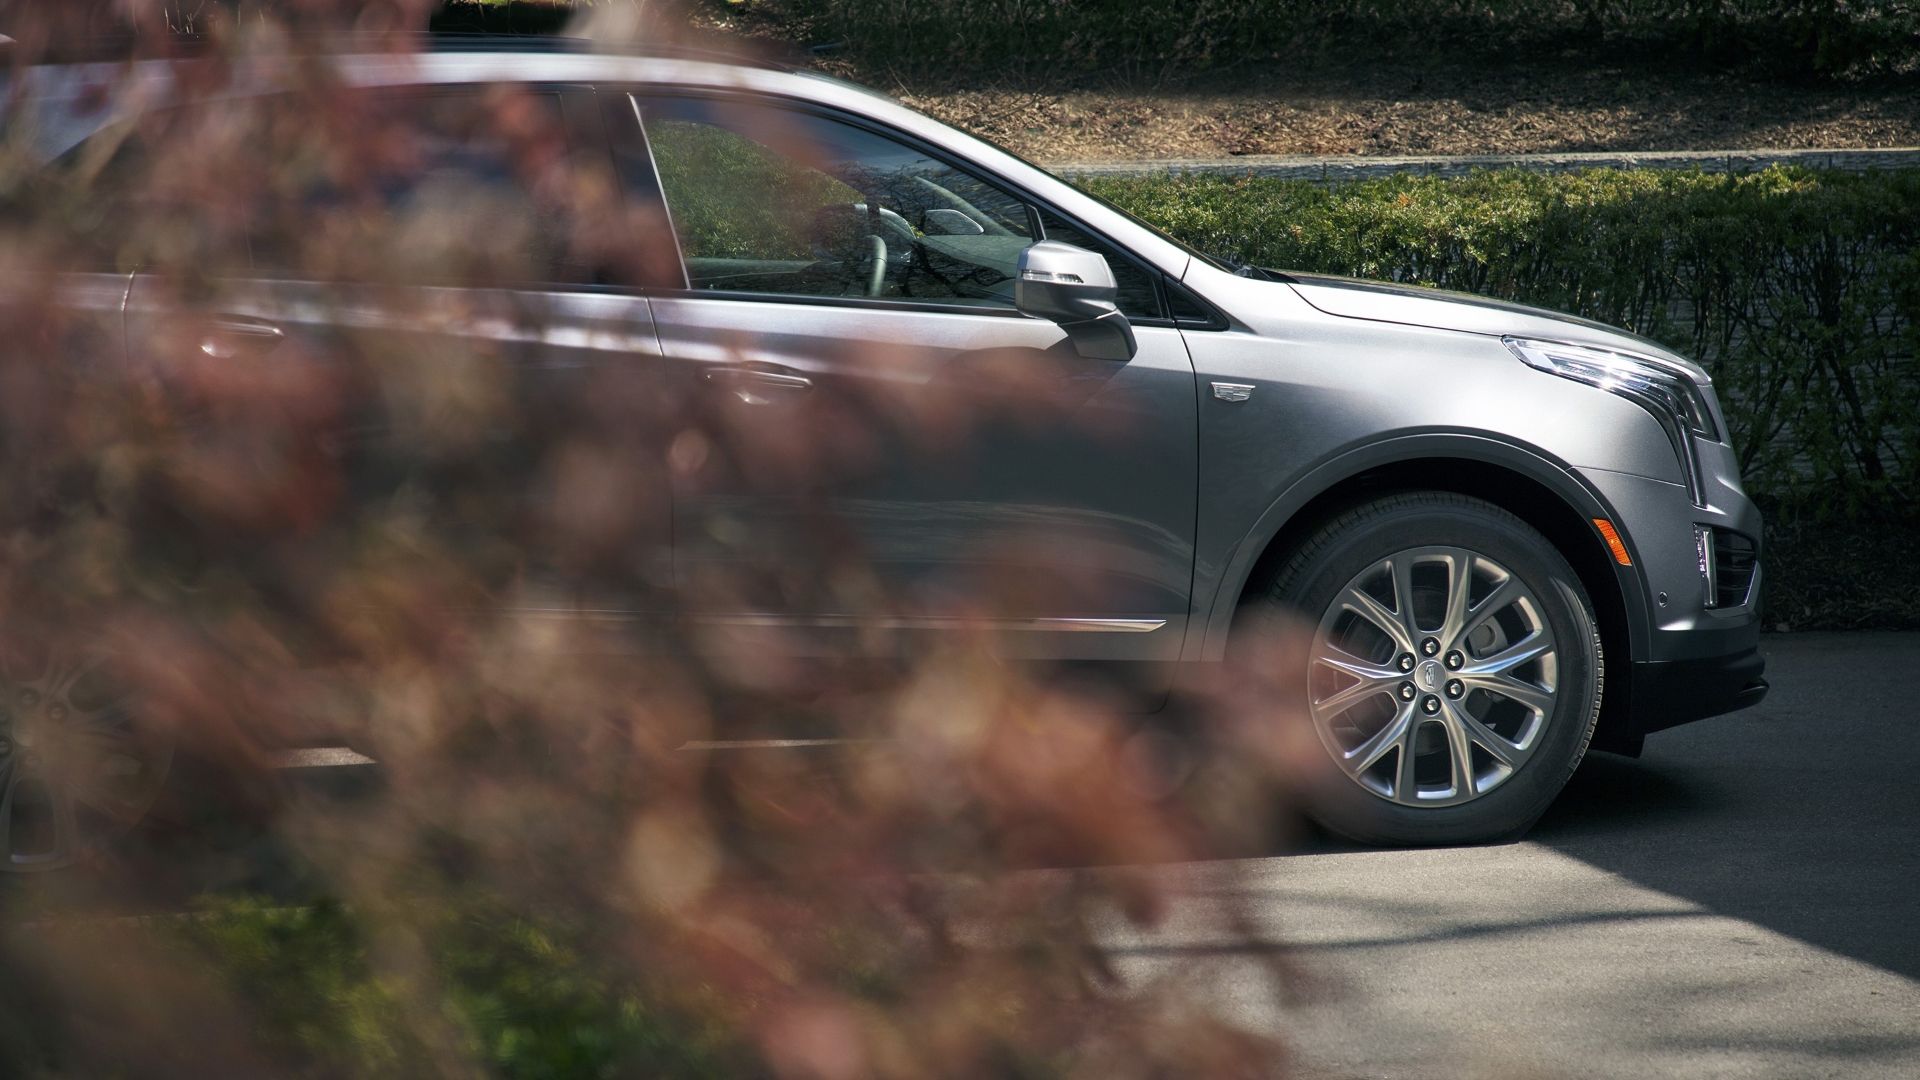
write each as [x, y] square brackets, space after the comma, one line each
[770, 744]
[938, 622]
[875, 622]
[1709, 573]
[321, 757]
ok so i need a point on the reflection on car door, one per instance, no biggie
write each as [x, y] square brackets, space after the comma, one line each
[875, 437]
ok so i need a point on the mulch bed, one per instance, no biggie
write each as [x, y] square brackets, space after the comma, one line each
[1423, 111]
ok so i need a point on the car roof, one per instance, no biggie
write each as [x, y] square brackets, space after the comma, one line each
[67, 96]
[74, 109]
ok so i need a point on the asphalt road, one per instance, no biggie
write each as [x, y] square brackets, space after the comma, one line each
[1742, 901]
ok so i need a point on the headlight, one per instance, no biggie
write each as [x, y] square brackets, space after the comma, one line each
[1667, 390]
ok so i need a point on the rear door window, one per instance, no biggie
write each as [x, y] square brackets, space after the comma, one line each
[480, 185]
[470, 185]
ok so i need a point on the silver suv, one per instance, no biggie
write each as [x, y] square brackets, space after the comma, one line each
[1509, 534]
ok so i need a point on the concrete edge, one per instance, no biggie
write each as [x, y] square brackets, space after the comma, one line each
[1356, 167]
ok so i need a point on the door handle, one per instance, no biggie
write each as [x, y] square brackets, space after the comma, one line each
[229, 337]
[786, 380]
[744, 382]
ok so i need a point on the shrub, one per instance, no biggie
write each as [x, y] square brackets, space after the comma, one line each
[1797, 290]
[939, 39]
[513, 994]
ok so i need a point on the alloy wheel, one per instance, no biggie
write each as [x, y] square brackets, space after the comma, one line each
[1433, 677]
[76, 766]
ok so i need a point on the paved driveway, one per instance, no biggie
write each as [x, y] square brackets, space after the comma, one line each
[1742, 901]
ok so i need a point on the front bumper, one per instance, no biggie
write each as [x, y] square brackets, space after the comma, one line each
[1690, 659]
[1665, 693]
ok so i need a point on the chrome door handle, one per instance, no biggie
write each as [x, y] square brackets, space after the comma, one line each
[783, 380]
[228, 337]
[750, 383]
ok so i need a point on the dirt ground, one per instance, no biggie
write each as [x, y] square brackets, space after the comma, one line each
[1423, 112]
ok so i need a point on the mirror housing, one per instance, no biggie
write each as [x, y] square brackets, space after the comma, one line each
[1075, 288]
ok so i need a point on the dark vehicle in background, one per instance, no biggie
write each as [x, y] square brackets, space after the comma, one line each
[1511, 535]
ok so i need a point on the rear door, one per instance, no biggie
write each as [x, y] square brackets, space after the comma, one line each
[876, 445]
[454, 333]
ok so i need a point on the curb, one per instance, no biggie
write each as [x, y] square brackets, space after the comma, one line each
[1335, 169]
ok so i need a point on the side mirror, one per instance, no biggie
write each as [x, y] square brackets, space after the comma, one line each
[1075, 288]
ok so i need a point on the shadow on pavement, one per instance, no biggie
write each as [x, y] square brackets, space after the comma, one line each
[1801, 815]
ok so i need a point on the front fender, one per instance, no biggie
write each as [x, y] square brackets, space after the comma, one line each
[1218, 600]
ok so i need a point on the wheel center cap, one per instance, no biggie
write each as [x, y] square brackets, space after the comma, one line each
[1430, 675]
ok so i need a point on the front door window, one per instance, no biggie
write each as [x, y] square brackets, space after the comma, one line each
[769, 200]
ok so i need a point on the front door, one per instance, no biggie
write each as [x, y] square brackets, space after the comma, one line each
[877, 446]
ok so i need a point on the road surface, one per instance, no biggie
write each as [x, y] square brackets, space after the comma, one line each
[1743, 901]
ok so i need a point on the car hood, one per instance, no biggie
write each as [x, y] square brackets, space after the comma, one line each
[1439, 309]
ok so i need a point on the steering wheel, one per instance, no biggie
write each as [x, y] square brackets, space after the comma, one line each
[877, 276]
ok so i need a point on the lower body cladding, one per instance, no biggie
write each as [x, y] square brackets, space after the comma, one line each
[1695, 652]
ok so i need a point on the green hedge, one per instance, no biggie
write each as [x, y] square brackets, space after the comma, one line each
[505, 993]
[937, 39]
[1798, 290]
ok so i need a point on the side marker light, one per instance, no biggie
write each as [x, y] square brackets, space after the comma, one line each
[1614, 543]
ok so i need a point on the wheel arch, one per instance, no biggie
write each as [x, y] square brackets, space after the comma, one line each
[1539, 490]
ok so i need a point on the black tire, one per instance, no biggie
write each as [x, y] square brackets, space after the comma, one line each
[1367, 537]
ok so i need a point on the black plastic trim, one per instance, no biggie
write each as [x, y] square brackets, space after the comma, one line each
[1669, 693]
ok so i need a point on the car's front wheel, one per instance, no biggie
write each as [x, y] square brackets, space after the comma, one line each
[1455, 670]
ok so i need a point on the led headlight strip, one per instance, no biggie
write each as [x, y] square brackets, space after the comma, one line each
[1668, 391]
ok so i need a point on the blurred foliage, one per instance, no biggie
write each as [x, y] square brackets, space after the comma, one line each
[1795, 289]
[928, 41]
[280, 492]
[520, 998]
[304, 971]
